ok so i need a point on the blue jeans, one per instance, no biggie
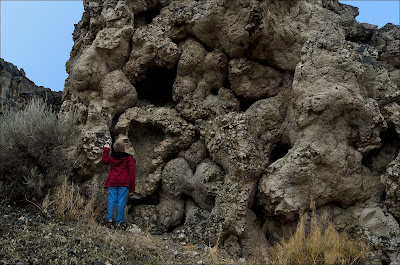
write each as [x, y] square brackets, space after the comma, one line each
[117, 196]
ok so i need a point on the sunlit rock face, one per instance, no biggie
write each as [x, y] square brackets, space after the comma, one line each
[16, 90]
[239, 113]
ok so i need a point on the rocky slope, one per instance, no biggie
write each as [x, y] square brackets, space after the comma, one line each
[34, 238]
[241, 112]
[16, 89]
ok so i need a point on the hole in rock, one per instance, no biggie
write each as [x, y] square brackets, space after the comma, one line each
[377, 160]
[214, 91]
[146, 17]
[279, 150]
[363, 36]
[114, 122]
[157, 86]
[271, 226]
[245, 103]
[211, 201]
[144, 138]
[258, 209]
[227, 82]
[152, 199]
[260, 213]
[172, 228]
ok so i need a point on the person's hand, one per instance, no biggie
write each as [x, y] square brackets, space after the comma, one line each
[107, 146]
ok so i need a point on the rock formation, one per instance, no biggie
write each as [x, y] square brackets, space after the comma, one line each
[16, 89]
[241, 112]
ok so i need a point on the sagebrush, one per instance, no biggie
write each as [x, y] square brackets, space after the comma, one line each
[34, 144]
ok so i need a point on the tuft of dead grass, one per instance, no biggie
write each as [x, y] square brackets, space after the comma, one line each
[215, 249]
[68, 202]
[321, 245]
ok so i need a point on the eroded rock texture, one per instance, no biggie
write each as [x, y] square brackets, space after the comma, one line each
[241, 112]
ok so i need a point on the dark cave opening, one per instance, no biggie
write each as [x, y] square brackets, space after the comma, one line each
[114, 122]
[152, 199]
[245, 103]
[157, 86]
[377, 160]
[214, 91]
[227, 82]
[260, 212]
[364, 35]
[279, 150]
[146, 17]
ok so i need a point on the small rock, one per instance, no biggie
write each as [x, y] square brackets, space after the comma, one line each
[20, 222]
[134, 229]
[198, 247]
[194, 253]
[70, 251]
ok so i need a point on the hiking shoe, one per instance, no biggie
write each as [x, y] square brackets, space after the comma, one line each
[120, 226]
[109, 224]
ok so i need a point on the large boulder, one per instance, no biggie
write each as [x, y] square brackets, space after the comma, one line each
[241, 112]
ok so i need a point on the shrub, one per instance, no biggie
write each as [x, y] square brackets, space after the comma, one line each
[34, 144]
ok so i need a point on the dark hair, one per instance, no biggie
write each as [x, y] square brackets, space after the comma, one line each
[119, 146]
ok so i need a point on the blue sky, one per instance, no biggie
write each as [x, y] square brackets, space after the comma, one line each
[37, 35]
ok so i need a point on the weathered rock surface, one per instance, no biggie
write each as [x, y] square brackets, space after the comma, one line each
[241, 112]
[16, 89]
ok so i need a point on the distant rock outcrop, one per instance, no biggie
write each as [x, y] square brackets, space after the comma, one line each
[16, 89]
[241, 112]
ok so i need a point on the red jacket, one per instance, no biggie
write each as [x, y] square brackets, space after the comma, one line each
[122, 172]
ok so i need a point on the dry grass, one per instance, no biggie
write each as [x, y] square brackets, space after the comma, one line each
[68, 202]
[45, 207]
[215, 249]
[321, 245]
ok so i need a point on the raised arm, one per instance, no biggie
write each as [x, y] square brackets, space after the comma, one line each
[106, 151]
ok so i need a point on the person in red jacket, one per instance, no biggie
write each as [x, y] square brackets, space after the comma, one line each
[120, 180]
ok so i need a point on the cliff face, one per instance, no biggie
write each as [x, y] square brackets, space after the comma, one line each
[16, 89]
[240, 112]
